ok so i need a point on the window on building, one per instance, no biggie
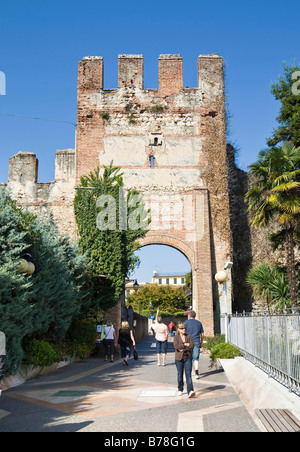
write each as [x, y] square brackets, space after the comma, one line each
[167, 281]
[182, 281]
[175, 280]
[151, 161]
[160, 281]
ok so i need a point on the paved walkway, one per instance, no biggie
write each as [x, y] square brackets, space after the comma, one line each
[95, 396]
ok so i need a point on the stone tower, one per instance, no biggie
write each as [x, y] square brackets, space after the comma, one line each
[170, 143]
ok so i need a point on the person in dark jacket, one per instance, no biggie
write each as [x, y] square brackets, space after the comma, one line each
[126, 341]
[183, 344]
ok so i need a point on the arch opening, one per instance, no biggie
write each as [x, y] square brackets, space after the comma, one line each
[158, 259]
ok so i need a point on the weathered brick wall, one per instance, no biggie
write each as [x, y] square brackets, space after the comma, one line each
[43, 199]
[170, 143]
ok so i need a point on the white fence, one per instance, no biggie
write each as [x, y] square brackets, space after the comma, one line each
[271, 341]
[2, 353]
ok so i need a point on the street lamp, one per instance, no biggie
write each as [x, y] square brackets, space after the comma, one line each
[221, 277]
[136, 286]
[25, 267]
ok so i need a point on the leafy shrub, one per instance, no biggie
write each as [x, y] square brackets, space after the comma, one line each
[40, 353]
[80, 338]
[212, 341]
[223, 351]
[79, 349]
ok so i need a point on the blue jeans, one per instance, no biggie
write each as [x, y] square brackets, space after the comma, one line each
[196, 351]
[161, 347]
[185, 365]
[125, 350]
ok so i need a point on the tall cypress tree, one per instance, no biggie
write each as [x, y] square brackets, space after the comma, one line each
[16, 315]
[41, 305]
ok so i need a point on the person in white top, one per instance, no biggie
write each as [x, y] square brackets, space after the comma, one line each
[109, 341]
[161, 337]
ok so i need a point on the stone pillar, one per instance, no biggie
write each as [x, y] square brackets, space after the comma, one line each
[90, 74]
[170, 74]
[65, 165]
[131, 71]
[23, 167]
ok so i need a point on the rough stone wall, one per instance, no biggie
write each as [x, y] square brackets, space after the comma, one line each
[55, 198]
[251, 245]
[170, 143]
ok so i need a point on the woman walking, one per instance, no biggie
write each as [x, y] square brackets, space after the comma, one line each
[183, 344]
[109, 341]
[161, 336]
[126, 341]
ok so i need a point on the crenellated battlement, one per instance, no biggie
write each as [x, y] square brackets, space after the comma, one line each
[131, 72]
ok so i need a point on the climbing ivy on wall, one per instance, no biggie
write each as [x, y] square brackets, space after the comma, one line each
[109, 220]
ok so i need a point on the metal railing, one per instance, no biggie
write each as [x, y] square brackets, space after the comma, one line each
[271, 341]
[2, 354]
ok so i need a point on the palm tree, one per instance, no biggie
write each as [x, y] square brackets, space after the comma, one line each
[275, 193]
[270, 284]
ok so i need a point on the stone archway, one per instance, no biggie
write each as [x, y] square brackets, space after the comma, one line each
[170, 144]
[198, 253]
[172, 241]
[179, 245]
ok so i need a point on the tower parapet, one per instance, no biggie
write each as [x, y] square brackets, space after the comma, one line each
[170, 74]
[131, 71]
[170, 142]
[23, 167]
[90, 74]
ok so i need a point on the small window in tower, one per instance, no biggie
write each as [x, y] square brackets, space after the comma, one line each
[21, 178]
[155, 141]
[131, 83]
[151, 161]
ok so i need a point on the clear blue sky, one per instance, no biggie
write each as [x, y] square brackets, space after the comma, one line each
[41, 43]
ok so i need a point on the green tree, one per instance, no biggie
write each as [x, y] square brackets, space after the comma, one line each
[169, 299]
[41, 305]
[270, 284]
[275, 193]
[58, 284]
[289, 114]
[16, 317]
[109, 223]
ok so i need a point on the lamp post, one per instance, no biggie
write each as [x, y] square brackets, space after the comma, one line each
[221, 277]
[136, 286]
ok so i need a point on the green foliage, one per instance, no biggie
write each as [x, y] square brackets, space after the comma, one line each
[212, 341]
[275, 194]
[40, 306]
[40, 353]
[16, 317]
[223, 351]
[275, 190]
[58, 282]
[80, 339]
[270, 284]
[105, 115]
[167, 298]
[82, 331]
[79, 342]
[157, 108]
[109, 248]
[289, 115]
